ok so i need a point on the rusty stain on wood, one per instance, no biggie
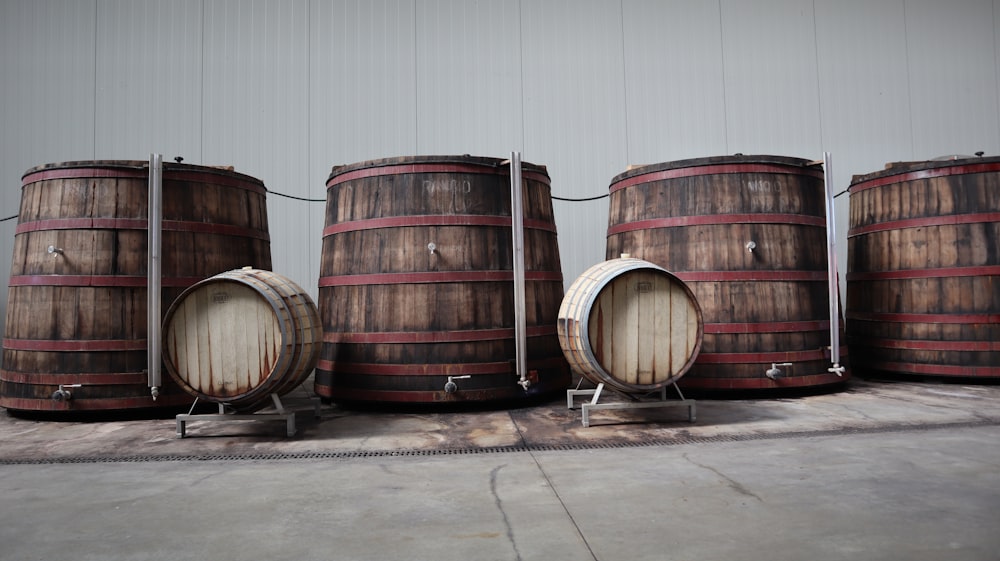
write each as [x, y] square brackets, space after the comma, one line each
[264, 338]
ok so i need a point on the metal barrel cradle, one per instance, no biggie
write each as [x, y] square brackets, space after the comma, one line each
[226, 414]
[634, 402]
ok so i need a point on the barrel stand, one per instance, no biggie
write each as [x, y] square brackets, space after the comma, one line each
[633, 402]
[279, 414]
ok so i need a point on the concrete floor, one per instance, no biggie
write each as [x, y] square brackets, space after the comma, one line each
[881, 470]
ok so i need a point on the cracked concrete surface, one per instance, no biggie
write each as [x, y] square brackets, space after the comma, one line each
[880, 471]
[733, 484]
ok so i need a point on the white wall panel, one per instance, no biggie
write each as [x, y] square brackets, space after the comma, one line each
[46, 100]
[865, 99]
[673, 80]
[865, 102]
[953, 76]
[468, 77]
[362, 87]
[772, 98]
[574, 115]
[362, 81]
[256, 115]
[149, 79]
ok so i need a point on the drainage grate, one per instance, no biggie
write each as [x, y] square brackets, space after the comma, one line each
[541, 447]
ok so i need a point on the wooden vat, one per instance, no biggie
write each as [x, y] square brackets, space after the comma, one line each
[747, 235]
[240, 336]
[923, 280]
[631, 325]
[416, 283]
[76, 313]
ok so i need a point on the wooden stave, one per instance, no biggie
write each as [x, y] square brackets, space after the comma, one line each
[121, 226]
[931, 311]
[696, 183]
[348, 232]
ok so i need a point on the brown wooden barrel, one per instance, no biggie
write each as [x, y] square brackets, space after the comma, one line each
[747, 235]
[77, 315]
[416, 283]
[631, 325]
[240, 336]
[923, 280]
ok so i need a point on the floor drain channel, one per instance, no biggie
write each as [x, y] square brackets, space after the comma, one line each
[540, 447]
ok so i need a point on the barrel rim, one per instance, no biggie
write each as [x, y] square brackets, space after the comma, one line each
[139, 166]
[488, 163]
[902, 168]
[788, 161]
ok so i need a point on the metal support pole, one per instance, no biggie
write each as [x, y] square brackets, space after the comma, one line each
[517, 228]
[153, 273]
[831, 259]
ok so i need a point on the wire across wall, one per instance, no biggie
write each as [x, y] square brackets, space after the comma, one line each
[565, 199]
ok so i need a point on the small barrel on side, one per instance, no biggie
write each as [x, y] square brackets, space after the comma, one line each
[631, 325]
[923, 278]
[240, 336]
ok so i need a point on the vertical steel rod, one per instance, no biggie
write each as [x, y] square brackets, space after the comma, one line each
[831, 268]
[153, 272]
[517, 228]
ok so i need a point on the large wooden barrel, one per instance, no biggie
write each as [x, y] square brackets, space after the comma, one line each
[76, 313]
[240, 336]
[923, 280]
[416, 283]
[747, 234]
[631, 325]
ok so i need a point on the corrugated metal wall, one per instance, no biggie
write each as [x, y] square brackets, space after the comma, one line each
[283, 90]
